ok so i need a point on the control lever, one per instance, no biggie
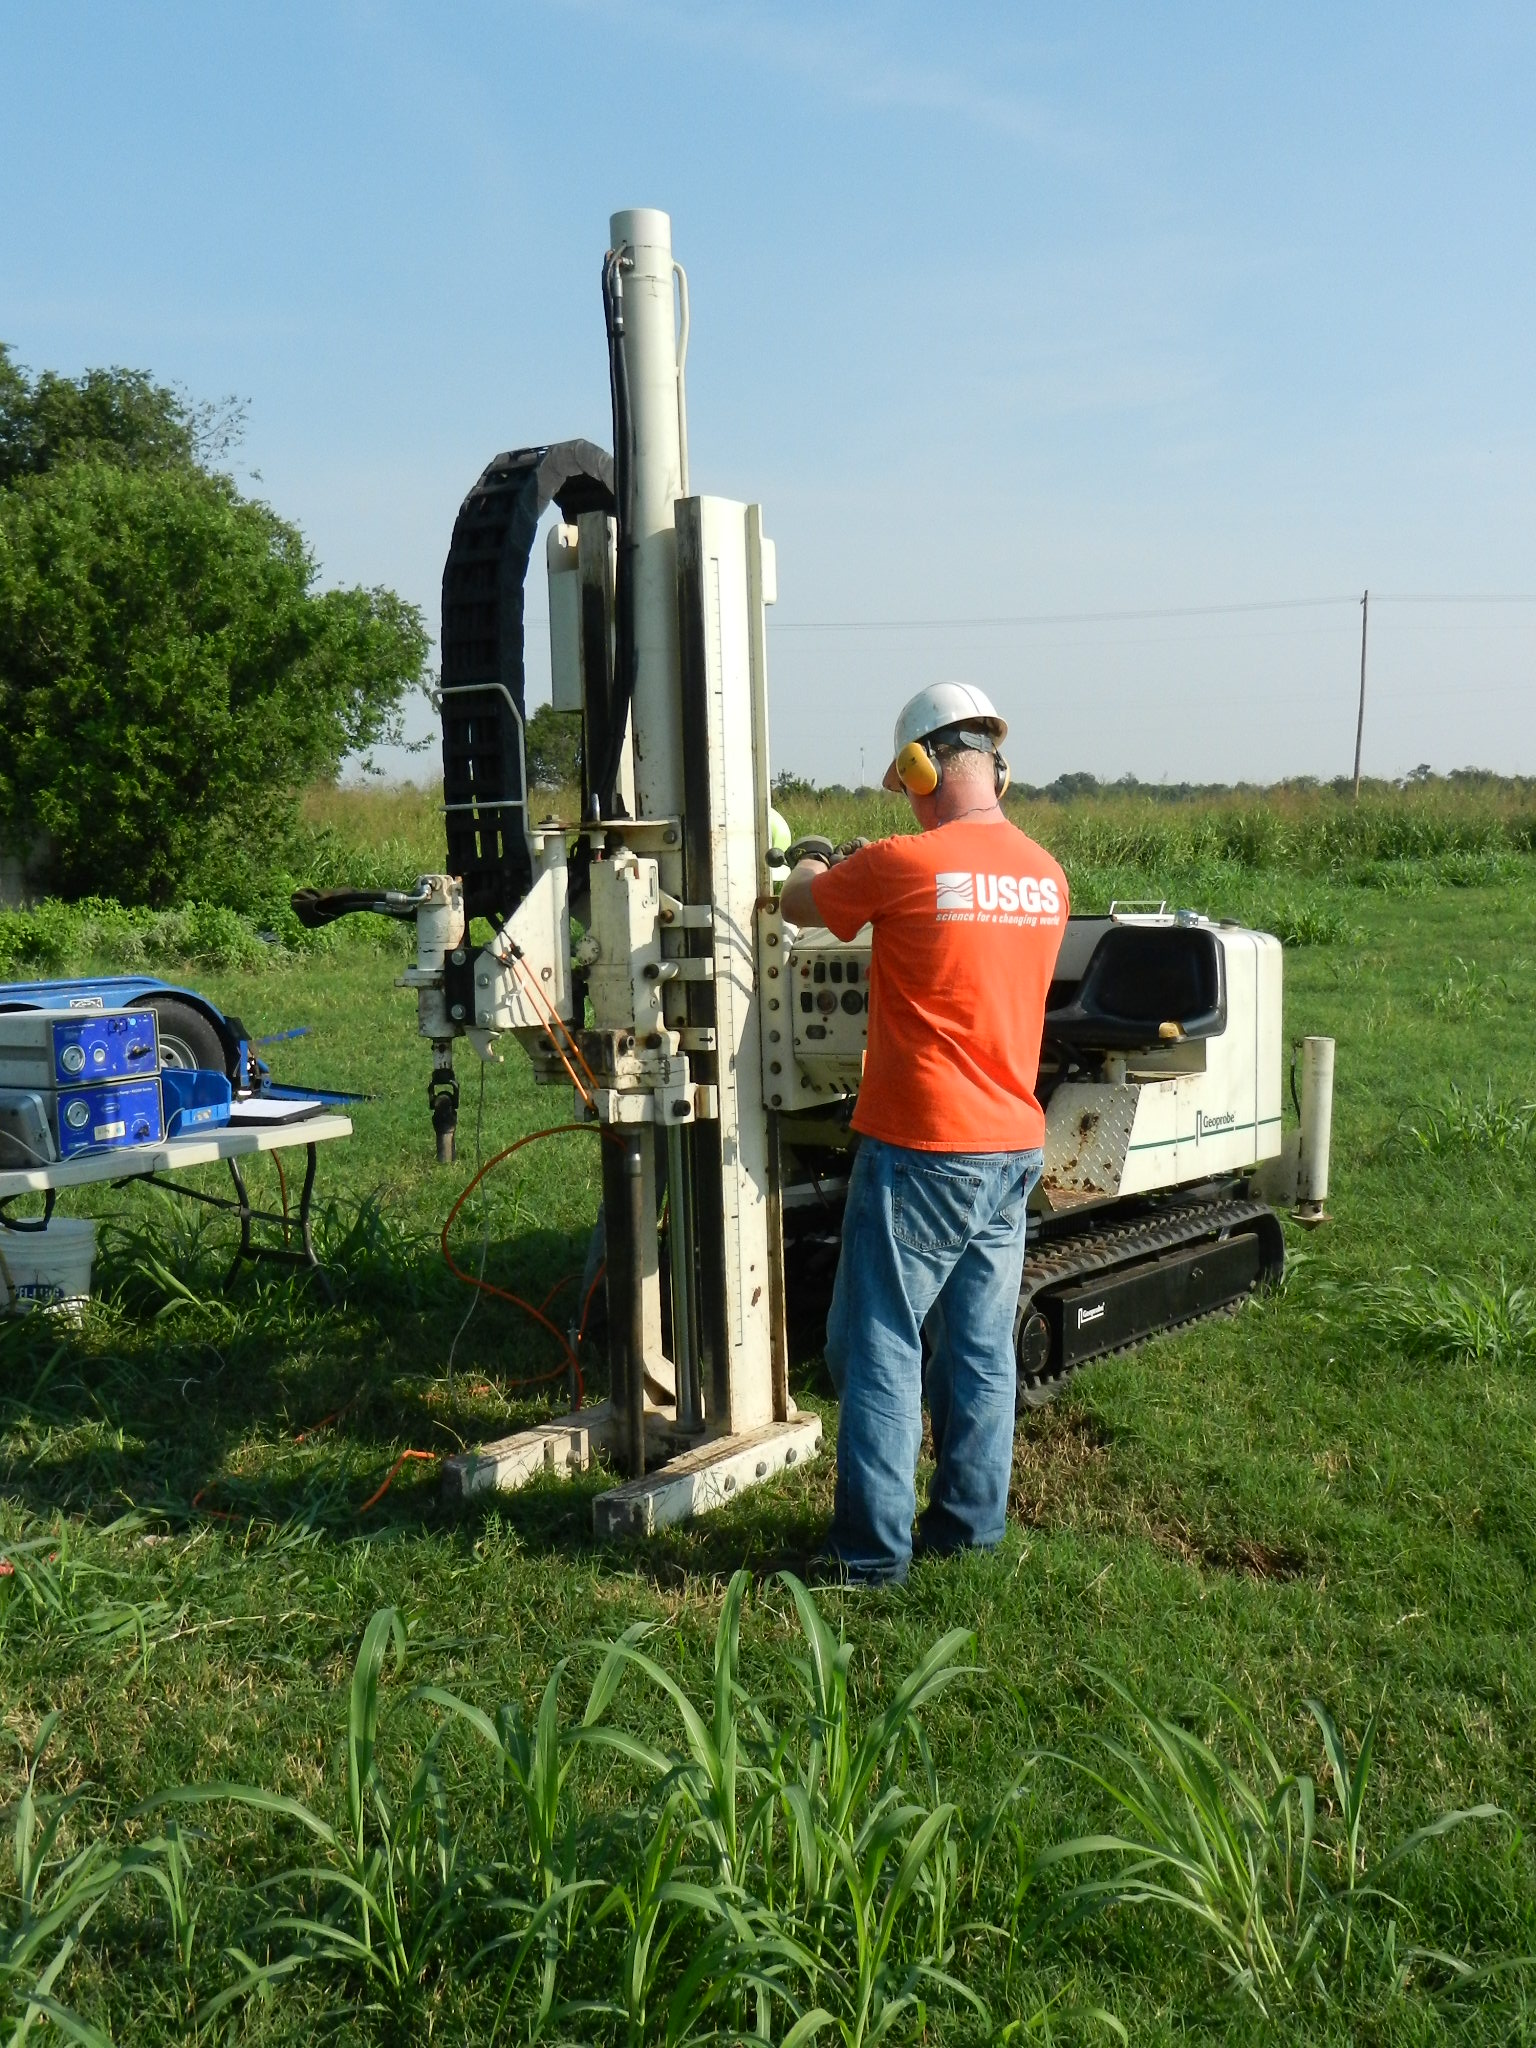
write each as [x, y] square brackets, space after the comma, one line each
[315, 907]
[814, 844]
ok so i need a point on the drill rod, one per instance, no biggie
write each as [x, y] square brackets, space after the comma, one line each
[685, 1350]
[624, 1210]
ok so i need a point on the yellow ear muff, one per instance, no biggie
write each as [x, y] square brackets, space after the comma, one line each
[916, 769]
[1002, 775]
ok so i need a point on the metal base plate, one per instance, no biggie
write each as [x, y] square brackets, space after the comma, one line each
[704, 1476]
[563, 1446]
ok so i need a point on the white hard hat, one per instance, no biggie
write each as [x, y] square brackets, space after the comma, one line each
[939, 705]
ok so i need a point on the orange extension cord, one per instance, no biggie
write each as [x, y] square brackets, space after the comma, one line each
[504, 1294]
[484, 1287]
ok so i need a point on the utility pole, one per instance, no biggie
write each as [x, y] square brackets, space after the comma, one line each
[1365, 612]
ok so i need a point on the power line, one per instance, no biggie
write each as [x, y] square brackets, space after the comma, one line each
[1485, 597]
[1190, 611]
[1186, 611]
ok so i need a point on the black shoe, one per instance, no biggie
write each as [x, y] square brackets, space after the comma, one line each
[827, 1569]
[922, 1552]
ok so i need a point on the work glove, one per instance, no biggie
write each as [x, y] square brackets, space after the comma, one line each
[812, 847]
[848, 846]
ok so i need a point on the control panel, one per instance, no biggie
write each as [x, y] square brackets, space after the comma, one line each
[108, 1114]
[67, 1048]
[831, 996]
[827, 998]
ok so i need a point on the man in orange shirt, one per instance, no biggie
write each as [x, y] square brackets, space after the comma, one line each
[968, 916]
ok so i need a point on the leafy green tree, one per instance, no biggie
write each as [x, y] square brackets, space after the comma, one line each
[170, 677]
[1077, 783]
[552, 741]
[118, 416]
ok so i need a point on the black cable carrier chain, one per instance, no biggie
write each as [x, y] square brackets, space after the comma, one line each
[483, 708]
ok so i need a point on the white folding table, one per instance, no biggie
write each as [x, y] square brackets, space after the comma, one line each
[154, 1163]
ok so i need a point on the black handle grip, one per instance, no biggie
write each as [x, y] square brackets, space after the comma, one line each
[812, 845]
[315, 907]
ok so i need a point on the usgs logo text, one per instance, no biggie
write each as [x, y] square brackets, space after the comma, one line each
[1009, 893]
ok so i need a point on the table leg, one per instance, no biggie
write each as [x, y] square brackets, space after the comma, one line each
[27, 1222]
[312, 1153]
[245, 1249]
[307, 1259]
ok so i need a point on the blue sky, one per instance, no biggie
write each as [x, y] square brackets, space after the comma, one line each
[1003, 313]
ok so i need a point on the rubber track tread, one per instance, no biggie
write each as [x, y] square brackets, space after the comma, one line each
[1065, 1259]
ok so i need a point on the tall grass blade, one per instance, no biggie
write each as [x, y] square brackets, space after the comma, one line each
[1232, 1859]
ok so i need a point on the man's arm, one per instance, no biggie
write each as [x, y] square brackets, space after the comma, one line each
[796, 902]
[813, 856]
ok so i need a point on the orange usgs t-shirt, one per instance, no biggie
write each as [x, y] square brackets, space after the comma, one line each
[968, 920]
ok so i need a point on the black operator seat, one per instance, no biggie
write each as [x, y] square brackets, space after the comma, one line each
[1079, 943]
[1140, 979]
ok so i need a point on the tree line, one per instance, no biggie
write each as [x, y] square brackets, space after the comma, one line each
[1079, 786]
[172, 674]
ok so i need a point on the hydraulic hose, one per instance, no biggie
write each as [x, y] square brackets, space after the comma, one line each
[605, 770]
[315, 907]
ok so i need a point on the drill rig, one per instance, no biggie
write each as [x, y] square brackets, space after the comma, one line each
[717, 1049]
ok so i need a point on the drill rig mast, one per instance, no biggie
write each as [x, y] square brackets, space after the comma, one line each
[657, 632]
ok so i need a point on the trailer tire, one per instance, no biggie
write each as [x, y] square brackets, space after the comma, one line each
[187, 1038]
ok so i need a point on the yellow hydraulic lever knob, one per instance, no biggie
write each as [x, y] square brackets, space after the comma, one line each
[915, 769]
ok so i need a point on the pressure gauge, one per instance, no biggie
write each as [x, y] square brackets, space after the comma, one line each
[78, 1115]
[72, 1059]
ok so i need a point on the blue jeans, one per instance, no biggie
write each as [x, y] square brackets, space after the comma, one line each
[931, 1240]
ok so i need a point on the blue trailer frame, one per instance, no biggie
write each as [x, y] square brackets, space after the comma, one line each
[121, 992]
[249, 1073]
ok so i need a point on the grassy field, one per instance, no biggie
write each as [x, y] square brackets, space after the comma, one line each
[1329, 1497]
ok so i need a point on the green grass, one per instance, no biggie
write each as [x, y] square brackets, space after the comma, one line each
[1463, 1123]
[1435, 835]
[1307, 1502]
[1448, 1319]
[1271, 856]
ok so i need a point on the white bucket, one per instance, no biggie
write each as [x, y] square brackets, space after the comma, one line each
[44, 1267]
